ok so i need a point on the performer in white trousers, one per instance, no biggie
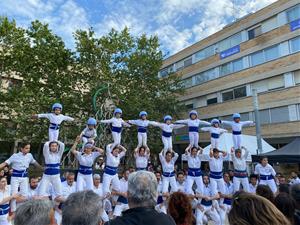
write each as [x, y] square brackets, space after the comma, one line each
[193, 123]
[240, 169]
[52, 151]
[205, 201]
[168, 168]
[142, 125]
[215, 132]
[122, 201]
[267, 174]
[55, 118]
[19, 179]
[117, 124]
[194, 171]
[110, 175]
[141, 156]
[237, 126]
[86, 161]
[89, 133]
[167, 129]
[216, 174]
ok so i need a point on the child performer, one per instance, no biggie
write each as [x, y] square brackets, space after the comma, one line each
[19, 179]
[266, 173]
[237, 126]
[86, 161]
[193, 122]
[117, 125]
[55, 118]
[89, 133]
[141, 156]
[142, 124]
[52, 151]
[215, 132]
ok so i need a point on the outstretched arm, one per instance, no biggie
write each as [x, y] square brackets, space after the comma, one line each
[68, 118]
[226, 123]
[106, 121]
[204, 123]
[182, 121]
[247, 123]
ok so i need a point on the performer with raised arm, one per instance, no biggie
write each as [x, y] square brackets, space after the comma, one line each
[193, 123]
[215, 132]
[89, 133]
[237, 126]
[141, 156]
[52, 151]
[168, 168]
[110, 175]
[240, 169]
[117, 124]
[55, 118]
[266, 172]
[19, 180]
[86, 161]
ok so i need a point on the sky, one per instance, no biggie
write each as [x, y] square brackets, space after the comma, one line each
[177, 23]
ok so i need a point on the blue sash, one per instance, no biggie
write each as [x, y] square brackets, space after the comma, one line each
[159, 200]
[116, 129]
[19, 173]
[54, 126]
[166, 134]
[52, 169]
[227, 201]
[236, 132]
[85, 170]
[166, 174]
[142, 129]
[4, 209]
[193, 129]
[240, 173]
[206, 203]
[214, 135]
[266, 177]
[194, 172]
[216, 175]
[122, 199]
[110, 170]
[86, 136]
[139, 169]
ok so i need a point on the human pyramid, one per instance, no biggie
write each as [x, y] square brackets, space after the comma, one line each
[210, 193]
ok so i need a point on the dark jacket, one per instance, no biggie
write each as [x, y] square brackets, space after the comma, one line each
[142, 216]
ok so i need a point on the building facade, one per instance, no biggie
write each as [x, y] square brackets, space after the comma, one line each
[259, 51]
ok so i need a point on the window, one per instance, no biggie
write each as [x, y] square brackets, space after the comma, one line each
[264, 116]
[295, 45]
[297, 76]
[275, 82]
[225, 69]
[254, 32]
[189, 106]
[212, 101]
[199, 78]
[210, 74]
[257, 58]
[188, 82]
[245, 116]
[269, 24]
[179, 65]
[164, 72]
[271, 53]
[204, 53]
[237, 65]
[235, 93]
[293, 13]
[280, 114]
[227, 95]
[188, 62]
[230, 42]
[229, 117]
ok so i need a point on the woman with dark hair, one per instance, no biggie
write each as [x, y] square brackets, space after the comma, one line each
[180, 208]
[250, 209]
[265, 191]
[286, 204]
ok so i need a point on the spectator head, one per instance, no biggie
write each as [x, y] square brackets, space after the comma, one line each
[253, 179]
[33, 182]
[286, 204]
[142, 189]
[82, 208]
[250, 209]
[25, 148]
[180, 177]
[265, 191]
[282, 180]
[2, 173]
[284, 188]
[180, 208]
[226, 177]
[158, 176]
[126, 174]
[3, 182]
[96, 180]
[70, 177]
[263, 160]
[38, 211]
[295, 193]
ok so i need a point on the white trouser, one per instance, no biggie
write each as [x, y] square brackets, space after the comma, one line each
[194, 139]
[84, 182]
[169, 180]
[119, 208]
[117, 139]
[142, 139]
[237, 181]
[167, 141]
[15, 184]
[4, 220]
[189, 184]
[104, 216]
[53, 135]
[270, 183]
[217, 185]
[86, 140]
[237, 141]
[50, 179]
[214, 142]
[211, 212]
[223, 212]
[107, 180]
[57, 216]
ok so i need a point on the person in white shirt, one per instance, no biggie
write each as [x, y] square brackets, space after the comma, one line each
[194, 171]
[141, 156]
[110, 175]
[193, 123]
[19, 180]
[117, 124]
[237, 126]
[168, 168]
[215, 132]
[52, 151]
[181, 181]
[161, 198]
[89, 133]
[142, 125]
[266, 173]
[69, 185]
[240, 168]
[86, 161]
[205, 204]
[294, 178]
[33, 188]
[167, 128]
[55, 118]
[253, 183]
[122, 201]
